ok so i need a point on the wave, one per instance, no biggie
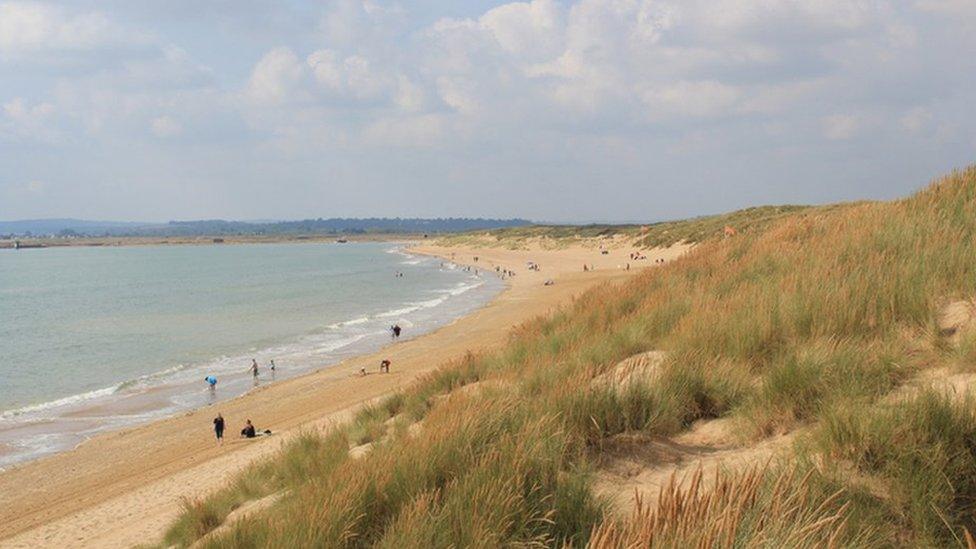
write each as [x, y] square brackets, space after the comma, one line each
[145, 379]
[66, 401]
[398, 312]
[353, 322]
[463, 288]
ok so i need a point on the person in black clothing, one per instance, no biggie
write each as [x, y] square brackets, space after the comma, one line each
[396, 331]
[248, 430]
[218, 423]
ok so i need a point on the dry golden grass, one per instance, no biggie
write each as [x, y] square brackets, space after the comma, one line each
[807, 320]
[743, 509]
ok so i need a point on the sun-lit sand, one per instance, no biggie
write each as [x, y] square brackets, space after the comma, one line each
[124, 488]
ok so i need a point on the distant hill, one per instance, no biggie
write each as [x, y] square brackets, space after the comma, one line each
[55, 226]
[78, 227]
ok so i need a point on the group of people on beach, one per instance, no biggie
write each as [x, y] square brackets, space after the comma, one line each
[254, 368]
[248, 431]
[384, 367]
[211, 379]
[505, 272]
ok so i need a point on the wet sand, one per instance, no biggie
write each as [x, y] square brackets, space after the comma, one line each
[124, 488]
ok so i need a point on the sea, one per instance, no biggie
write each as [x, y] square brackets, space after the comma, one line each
[100, 338]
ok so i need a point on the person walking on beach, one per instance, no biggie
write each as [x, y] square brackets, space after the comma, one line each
[218, 424]
[396, 331]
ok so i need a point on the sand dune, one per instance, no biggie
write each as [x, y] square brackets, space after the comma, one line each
[124, 488]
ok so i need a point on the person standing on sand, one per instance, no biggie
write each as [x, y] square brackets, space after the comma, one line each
[385, 366]
[218, 424]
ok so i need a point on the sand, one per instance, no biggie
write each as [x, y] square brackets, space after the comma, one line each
[124, 488]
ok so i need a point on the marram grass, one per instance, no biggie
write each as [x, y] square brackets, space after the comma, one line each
[809, 319]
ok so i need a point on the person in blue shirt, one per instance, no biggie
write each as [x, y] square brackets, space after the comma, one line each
[212, 381]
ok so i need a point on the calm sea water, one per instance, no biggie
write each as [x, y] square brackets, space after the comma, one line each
[97, 338]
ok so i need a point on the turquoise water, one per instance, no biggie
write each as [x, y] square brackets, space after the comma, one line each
[134, 330]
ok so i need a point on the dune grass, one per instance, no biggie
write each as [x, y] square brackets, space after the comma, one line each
[807, 319]
[306, 456]
[661, 234]
[748, 509]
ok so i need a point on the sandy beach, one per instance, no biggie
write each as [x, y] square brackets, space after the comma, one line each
[124, 488]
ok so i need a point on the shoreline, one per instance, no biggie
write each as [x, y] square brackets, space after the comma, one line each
[124, 487]
[65, 422]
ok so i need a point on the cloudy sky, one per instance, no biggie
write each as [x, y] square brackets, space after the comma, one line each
[575, 110]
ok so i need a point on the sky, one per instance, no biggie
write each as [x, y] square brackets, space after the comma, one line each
[569, 111]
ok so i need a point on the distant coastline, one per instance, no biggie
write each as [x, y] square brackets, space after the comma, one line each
[203, 240]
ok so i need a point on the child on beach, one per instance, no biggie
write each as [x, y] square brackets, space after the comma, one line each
[385, 366]
[212, 381]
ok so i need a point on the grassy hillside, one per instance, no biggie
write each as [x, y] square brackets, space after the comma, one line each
[811, 323]
[663, 234]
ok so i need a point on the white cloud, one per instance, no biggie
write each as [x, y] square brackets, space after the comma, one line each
[522, 87]
[326, 68]
[35, 27]
[526, 29]
[20, 111]
[276, 77]
[409, 96]
[165, 126]
[948, 7]
[840, 126]
[695, 99]
[20, 119]
[916, 119]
